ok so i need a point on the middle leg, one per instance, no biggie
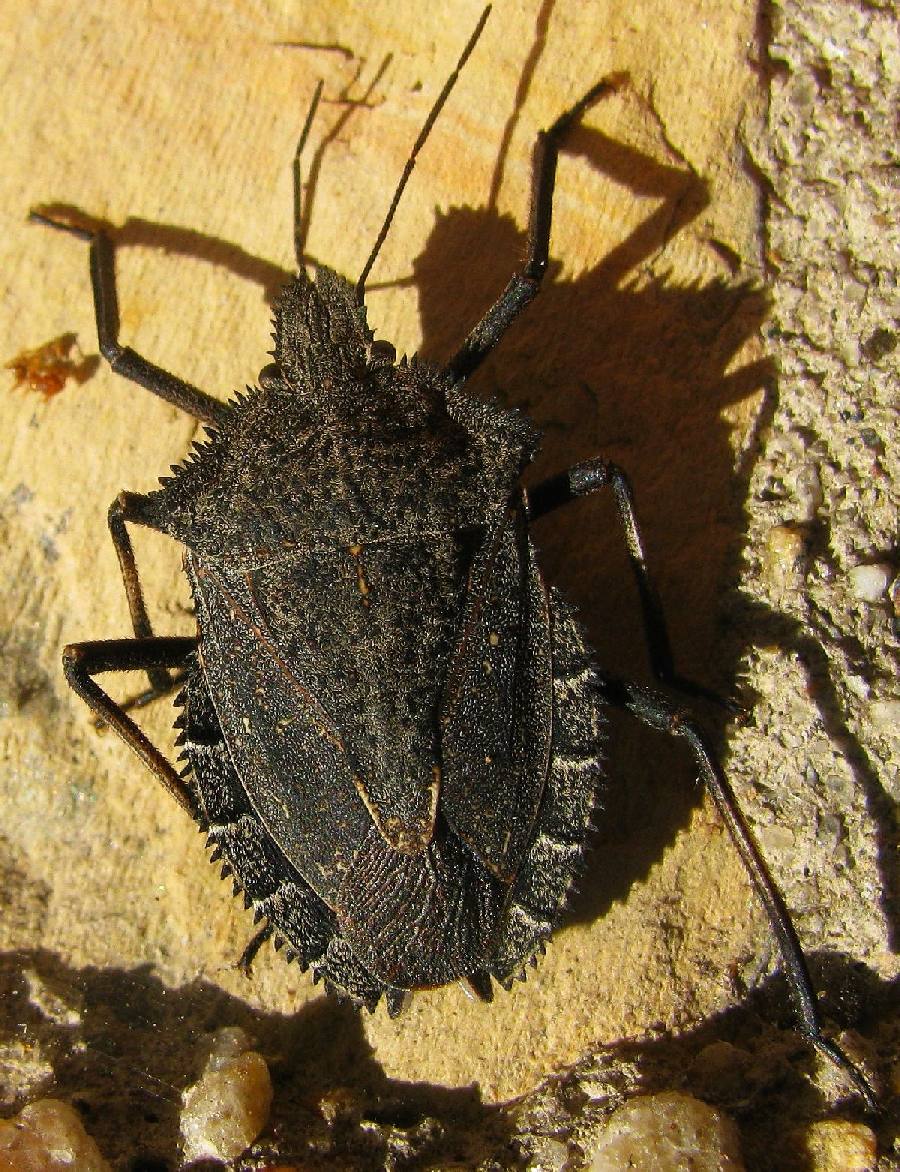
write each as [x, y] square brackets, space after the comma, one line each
[129, 507]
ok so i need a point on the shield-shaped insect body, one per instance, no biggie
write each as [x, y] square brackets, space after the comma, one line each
[390, 724]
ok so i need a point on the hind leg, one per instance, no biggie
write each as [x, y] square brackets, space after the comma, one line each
[83, 661]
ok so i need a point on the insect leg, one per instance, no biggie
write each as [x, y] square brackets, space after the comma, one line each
[127, 507]
[655, 710]
[591, 476]
[525, 284]
[82, 661]
[123, 359]
[248, 956]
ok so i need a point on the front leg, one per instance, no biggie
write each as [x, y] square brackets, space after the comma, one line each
[123, 359]
[524, 285]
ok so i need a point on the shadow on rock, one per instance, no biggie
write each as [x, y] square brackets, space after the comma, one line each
[742, 1063]
[121, 1047]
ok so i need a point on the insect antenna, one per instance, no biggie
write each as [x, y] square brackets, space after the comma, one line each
[417, 146]
[299, 224]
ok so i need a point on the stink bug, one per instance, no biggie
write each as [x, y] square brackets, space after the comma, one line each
[391, 724]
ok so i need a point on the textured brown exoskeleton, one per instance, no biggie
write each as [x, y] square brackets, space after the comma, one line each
[392, 727]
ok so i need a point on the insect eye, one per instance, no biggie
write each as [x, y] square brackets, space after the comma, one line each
[270, 376]
[382, 353]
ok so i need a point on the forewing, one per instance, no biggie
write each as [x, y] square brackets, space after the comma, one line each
[498, 702]
[283, 744]
[368, 628]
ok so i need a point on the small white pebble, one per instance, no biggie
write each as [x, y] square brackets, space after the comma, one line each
[550, 1155]
[870, 583]
[885, 714]
[227, 1108]
[48, 1136]
[836, 1145]
[666, 1133]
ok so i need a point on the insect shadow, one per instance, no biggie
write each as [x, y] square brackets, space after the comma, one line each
[636, 369]
[188, 242]
[120, 1046]
[641, 370]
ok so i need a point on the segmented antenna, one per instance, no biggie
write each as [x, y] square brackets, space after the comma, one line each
[298, 175]
[417, 146]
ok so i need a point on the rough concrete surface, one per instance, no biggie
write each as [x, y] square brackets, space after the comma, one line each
[721, 321]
